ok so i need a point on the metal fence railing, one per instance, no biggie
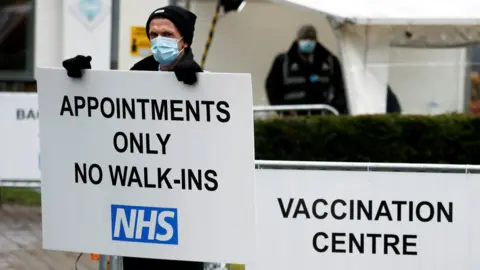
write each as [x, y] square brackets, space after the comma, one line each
[262, 112]
[366, 166]
[35, 183]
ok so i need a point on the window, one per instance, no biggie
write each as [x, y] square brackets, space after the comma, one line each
[16, 40]
[475, 58]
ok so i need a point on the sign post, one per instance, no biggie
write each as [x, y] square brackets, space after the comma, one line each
[138, 164]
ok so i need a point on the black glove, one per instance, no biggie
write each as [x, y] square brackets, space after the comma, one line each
[186, 72]
[76, 65]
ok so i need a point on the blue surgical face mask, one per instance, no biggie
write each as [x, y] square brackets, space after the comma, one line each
[306, 46]
[165, 50]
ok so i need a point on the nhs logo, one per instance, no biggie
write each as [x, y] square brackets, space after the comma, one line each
[144, 224]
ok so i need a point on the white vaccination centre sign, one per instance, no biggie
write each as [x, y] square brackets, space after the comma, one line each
[343, 220]
[139, 164]
[19, 143]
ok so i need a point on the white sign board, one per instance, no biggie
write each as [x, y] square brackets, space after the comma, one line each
[139, 164]
[19, 143]
[343, 220]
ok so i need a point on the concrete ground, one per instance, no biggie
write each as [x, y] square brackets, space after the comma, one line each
[21, 243]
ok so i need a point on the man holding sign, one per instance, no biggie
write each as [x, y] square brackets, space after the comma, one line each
[170, 30]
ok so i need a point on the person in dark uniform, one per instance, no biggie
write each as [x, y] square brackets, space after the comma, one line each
[306, 74]
[170, 30]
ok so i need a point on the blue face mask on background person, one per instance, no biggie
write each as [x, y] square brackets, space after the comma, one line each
[165, 50]
[306, 46]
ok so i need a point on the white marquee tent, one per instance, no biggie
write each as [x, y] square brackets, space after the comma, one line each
[367, 29]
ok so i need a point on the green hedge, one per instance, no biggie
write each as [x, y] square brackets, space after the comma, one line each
[19, 196]
[452, 139]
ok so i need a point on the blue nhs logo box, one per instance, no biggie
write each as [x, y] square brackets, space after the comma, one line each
[144, 224]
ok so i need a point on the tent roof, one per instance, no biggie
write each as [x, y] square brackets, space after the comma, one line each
[397, 11]
[411, 23]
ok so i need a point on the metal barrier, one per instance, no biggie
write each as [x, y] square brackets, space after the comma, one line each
[116, 262]
[20, 183]
[267, 110]
[365, 166]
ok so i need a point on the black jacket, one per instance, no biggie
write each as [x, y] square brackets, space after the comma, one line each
[129, 263]
[289, 83]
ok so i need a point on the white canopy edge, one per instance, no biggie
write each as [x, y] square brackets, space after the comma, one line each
[396, 12]
[366, 81]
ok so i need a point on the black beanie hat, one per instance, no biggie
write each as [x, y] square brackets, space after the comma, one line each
[183, 19]
[307, 32]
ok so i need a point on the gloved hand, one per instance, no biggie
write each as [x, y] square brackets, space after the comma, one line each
[186, 72]
[76, 65]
